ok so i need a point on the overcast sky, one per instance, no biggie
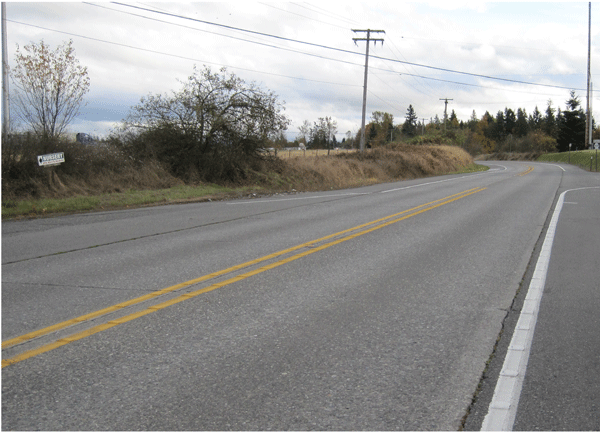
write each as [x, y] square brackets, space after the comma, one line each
[470, 52]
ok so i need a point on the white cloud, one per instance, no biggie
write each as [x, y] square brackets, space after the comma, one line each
[129, 56]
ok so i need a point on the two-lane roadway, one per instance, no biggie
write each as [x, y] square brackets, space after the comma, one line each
[371, 308]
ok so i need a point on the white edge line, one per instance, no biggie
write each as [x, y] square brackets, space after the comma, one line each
[503, 407]
[259, 201]
[366, 193]
[438, 181]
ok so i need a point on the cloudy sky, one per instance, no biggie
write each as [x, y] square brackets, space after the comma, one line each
[483, 56]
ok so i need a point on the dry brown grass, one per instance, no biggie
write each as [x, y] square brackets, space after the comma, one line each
[530, 156]
[96, 187]
[292, 154]
[351, 169]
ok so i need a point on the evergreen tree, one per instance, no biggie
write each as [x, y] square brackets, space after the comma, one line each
[453, 120]
[510, 121]
[535, 120]
[410, 125]
[473, 121]
[549, 124]
[497, 132]
[572, 125]
[521, 127]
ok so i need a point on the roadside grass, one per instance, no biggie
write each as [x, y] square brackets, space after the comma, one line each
[472, 168]
[289, 154]
[117, 200]
[338, 171]
[583, 159]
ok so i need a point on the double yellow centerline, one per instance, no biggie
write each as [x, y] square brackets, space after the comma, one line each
[272, 261]
[524, 173]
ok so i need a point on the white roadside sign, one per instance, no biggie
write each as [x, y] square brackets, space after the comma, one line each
[51, 159]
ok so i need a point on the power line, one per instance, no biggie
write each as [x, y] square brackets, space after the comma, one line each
[300, 15]
[346, 51]
[258, 43]
[183, 57]
[331, 14]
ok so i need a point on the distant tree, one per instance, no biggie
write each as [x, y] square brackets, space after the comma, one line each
[453, 120]
[478, 140]
[541, 142]
[322, 132]
[348, 140]
[371, 134]
[278, 141]
[521, 127]
[304, 130]
[473, 121]
[383, 126]
[572, 125]
[409, 127]
[549, 124]
[510, 121]
[50, 87]
[332, 129]
[535, 120]
[497, 131]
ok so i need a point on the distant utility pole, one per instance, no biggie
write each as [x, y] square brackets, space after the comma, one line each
[364, 107]
[588, 117]
[445, 110]
[5, 108]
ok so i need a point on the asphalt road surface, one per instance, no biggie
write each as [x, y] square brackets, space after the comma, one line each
[558, 381]
[374, 308]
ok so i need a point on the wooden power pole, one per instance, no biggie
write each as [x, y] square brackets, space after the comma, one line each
[5, 106]
[445, 110]
[368, 39]
[588, 117]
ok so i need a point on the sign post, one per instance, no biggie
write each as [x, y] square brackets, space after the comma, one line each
[51, 159]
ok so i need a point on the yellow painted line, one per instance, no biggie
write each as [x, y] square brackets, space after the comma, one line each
[524, 173]
[96, 314]
[80, 335]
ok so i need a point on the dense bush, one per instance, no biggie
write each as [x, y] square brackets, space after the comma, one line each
[87, 169]
[213, 129]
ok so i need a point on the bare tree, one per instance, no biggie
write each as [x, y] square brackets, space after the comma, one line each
[50, 87]
[214, 124]
[304, 130]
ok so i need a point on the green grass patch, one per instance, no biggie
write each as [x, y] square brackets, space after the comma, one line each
[302, 174]
[117, 200]
[472, 168]
[583, 159]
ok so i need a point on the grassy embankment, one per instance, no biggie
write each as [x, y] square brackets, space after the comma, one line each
[585, 159]
[300, 172]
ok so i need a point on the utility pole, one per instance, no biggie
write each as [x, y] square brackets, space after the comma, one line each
[445, 111]
[591, 117]
[588, 117]
[5, 108]
[364, 107]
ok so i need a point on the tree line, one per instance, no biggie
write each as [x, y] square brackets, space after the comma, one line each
[216, 125]
[551, 131]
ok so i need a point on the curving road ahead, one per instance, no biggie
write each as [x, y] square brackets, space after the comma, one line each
[372, 308]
